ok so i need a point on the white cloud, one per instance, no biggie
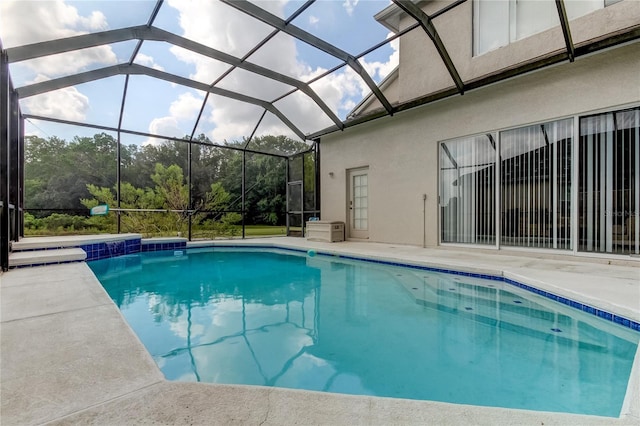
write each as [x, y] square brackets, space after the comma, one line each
[226, 29]
[232, 120]
[313, 20]
[147, 61]
[220, 26]
[340, 89]
[206, 69]
[336, 89]
[164, 126]
[275, 7]
[382, 69]
[184, 329]
[207, 22]
[348, 105]
[72, 62]
[67, 103]
[235, 34]
[183, 110]
[34, 21]
[186, 107]
[350, 5]
[95, 22]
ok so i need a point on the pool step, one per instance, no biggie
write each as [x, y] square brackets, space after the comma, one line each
[68, 241]
[96, 247]
[46, 257]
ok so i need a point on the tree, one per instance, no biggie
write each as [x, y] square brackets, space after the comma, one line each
[81, 173]
[57, 172]
[170, 193]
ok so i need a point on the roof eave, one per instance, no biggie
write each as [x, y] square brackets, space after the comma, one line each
[390, 16]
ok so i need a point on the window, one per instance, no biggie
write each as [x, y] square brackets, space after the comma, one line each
[467, 190]
[500, 22]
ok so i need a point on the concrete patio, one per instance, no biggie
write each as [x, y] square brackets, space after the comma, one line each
[69, 357]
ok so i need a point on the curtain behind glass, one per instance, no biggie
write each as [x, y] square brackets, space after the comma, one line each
[467, 190]
[609, 183]
[491, 25]
[534, 16]
[536, 185]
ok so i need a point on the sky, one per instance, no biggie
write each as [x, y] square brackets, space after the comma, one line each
[167, 109]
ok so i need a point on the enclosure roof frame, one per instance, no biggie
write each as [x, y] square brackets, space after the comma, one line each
[410, 8]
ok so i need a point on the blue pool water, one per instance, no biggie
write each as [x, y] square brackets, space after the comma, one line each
[329, 324]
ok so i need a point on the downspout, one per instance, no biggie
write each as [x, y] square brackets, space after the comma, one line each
[424, 220]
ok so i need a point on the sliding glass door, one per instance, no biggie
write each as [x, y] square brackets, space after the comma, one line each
[609, 183]
[535, 185]
[531, 181]
[467, 190]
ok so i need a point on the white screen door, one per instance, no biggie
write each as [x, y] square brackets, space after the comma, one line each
[359, 203]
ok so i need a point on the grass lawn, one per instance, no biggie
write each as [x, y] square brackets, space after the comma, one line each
[262, 230]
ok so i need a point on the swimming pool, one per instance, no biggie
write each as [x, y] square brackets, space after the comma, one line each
[274, 318]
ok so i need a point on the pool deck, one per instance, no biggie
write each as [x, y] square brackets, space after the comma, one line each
[68, 356]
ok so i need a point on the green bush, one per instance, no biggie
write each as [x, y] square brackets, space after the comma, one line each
[60, 224]
[64, 221]
[31, 222]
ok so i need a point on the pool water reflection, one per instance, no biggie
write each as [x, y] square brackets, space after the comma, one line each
[325, 323]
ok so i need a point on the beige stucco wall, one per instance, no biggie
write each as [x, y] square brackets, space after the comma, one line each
[422, 71]
[401, 151]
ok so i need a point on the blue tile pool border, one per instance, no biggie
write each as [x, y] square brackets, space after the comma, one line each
[151, 246]
[608, 316]
[107, 249]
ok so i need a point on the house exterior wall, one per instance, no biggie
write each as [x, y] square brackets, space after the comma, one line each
[401, 151]
[422, 72]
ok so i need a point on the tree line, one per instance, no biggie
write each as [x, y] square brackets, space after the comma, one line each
[63, 179]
